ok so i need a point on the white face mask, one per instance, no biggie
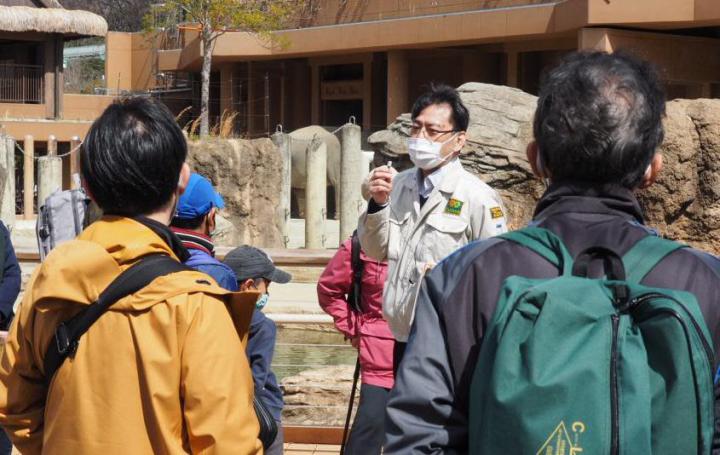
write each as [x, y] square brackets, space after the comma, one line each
[425, 153]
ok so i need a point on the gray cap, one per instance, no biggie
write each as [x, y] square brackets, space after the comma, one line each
[249, 263]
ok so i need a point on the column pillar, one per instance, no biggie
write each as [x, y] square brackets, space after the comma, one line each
[397, 84]
[226, 89]
[512, 69]
[367, 95]
[315, 194]
[28, 177]
[350, 179]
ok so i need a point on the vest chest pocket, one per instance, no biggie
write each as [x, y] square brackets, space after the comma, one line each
[445, 233]
[398, 225]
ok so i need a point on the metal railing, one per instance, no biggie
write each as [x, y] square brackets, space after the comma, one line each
[21, 84]
[172, 38]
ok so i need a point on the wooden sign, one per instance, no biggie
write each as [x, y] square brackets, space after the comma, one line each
[341, 90]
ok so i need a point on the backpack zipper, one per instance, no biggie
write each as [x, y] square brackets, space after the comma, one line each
[706, 345]
[614, 411]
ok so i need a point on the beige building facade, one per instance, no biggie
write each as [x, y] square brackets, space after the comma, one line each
[32, 99]
[370, 58]
[367, 59]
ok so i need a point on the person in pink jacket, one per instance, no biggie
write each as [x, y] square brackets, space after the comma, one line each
[370, 334]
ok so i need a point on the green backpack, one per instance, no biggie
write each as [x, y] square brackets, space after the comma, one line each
[573, 365]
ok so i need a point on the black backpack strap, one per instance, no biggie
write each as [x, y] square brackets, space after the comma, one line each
[357, 266]
[68, 333]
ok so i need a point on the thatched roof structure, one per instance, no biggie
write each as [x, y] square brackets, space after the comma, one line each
[51, 20]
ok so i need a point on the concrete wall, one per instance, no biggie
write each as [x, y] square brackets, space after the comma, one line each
[14, 110]
[84, 107]
[118, 60]
[143, 61]
[130, 61]
[40, 129]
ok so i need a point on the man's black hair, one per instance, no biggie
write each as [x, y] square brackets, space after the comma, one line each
[132, 157]
[599, 118]
[444, 94]
[188, 223]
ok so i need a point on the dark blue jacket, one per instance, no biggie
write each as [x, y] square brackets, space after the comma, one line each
[261, 340]
[224, 275]
[428, 409]
[10, 285]
[260, 350]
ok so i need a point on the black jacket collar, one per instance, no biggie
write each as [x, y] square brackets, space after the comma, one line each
[563, 197]
[167, 235]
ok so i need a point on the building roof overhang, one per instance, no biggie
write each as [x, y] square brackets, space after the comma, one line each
[561, 18]
[51, 20]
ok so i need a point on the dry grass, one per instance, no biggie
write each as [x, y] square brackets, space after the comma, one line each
[182, 113]
[194, 125]
[225, 128]
[227, 124]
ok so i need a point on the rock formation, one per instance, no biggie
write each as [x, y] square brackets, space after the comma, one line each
[247, 174]
[685, 202]
[682, 205]
[318, 397]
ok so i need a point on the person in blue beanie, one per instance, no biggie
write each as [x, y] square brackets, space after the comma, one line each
[194, 224]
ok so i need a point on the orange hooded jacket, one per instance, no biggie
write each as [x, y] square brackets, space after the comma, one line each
[163, 371]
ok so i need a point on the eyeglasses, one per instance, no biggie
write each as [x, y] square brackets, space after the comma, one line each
[430, 133]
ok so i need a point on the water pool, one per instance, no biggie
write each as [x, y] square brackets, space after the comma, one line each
[307, 348]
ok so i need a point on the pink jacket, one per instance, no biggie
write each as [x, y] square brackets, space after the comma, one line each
[376, 339]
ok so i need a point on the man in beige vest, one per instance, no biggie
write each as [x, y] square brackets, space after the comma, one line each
[418, 217]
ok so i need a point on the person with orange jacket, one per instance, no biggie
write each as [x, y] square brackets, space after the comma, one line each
[164, 369]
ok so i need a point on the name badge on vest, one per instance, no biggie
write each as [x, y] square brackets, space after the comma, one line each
[454, 207]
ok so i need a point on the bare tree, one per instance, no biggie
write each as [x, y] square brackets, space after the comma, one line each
[121, 15]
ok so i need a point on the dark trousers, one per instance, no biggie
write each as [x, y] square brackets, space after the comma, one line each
[5, 444]
[368, 429]
[276, 448]
[398, 353]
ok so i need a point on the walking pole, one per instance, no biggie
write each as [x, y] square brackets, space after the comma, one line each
[354, 303]
[356, 375]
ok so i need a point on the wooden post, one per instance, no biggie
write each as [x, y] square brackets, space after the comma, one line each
[49, 76]
[367, 96]
[250, 101]
[266, 106]
[29, 177]
[512, 69]
[75, 162]
[315, 95]
[282, 95]
[397, 82]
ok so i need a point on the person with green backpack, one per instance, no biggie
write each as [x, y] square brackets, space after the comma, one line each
[585, 332]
